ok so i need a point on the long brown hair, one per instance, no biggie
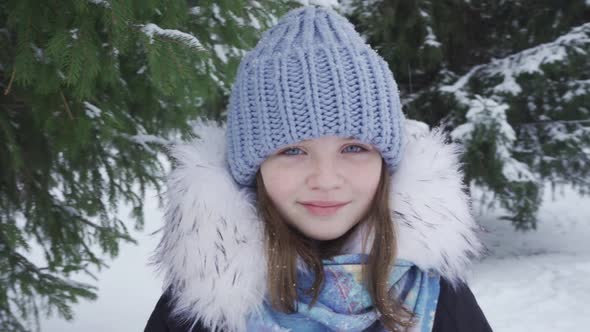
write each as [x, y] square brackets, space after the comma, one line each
[284, 244]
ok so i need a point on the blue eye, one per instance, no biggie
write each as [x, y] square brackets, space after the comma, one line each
[356, 148]
[288, 152]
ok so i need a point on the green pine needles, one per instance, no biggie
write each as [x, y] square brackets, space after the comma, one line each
[508, 79]
[90, 91]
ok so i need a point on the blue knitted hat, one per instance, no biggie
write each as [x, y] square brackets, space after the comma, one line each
[311, 75]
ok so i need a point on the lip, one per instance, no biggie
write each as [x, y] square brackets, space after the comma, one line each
[323, 208]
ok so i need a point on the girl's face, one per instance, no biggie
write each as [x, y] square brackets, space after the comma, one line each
[323, 186]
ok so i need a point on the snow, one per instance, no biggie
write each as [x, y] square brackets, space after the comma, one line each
[141, 70]
[219, 82]
[527, 61]
[151, 29]
[577, 88]
[39, 53]
[217, 14]
[255, 23]
[491, 111]
[537, 281]
[239, 20]
[491, 114]
[74, 33]
[430, 38]
[144, 139]
[322, 3]
[91, 110]
[558, 132]
[221, 52]
[101, 3]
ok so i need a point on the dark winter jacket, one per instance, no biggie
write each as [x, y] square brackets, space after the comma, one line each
[211, 252]
[457, 311]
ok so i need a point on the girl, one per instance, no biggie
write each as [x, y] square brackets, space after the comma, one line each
[320, 207]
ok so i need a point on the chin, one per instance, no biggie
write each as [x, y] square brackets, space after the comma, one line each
[324, 236]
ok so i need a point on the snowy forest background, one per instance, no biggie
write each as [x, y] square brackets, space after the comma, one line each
[93, 91]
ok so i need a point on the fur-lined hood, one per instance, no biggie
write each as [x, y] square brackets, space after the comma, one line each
[212, 254]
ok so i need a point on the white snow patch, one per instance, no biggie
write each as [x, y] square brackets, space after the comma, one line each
[322, 3]
[74, 33]
[577, 88]
[141, 70]
[212, 74]
[151, 29]
[217, 13]
[537, 280]
[103, 3]
[91, 110]
[221, 52]
[430, 38]
[255, 23]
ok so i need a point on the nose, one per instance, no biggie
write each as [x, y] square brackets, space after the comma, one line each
[324, 175]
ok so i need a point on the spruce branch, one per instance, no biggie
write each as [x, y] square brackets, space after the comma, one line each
[547, 122]
[63, 98]
[7, 90]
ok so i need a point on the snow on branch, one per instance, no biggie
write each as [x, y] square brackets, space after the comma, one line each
[323, 3]
[527, 61]
[103, 3]
[577, 88]
[145, 139]
[91, 110]
[431, 39]
[492, 115]
[189, 40]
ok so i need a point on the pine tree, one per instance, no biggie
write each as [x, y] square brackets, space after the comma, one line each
[508, 79]
[90, 91]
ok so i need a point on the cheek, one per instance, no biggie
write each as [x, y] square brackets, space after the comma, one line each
[365, 175]
[280, 182]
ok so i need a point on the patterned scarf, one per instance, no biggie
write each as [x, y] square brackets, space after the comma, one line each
[344, 304]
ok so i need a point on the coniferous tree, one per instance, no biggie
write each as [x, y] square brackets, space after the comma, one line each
[89, 92]
[508, 79]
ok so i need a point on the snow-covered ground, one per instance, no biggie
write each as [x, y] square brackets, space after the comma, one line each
[533, 281]
[538, 280]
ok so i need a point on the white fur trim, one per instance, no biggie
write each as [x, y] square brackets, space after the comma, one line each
[212, 253]
[435, 227]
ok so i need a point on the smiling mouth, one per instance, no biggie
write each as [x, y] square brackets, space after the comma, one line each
[323, 208]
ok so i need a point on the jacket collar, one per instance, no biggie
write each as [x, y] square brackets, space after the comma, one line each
[211, 253]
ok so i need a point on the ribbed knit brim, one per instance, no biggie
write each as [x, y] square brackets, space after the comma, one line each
[311, 75]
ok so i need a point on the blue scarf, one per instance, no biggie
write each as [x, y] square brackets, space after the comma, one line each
[344, 304]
